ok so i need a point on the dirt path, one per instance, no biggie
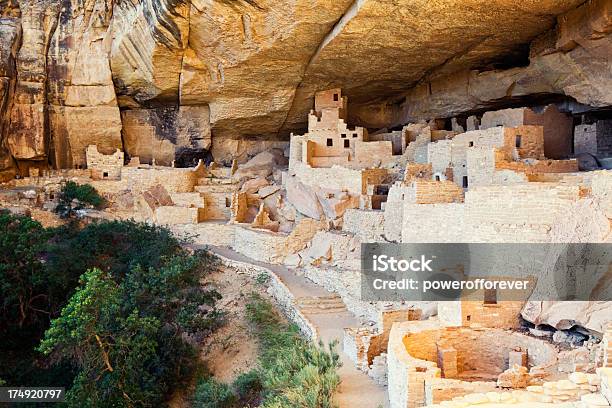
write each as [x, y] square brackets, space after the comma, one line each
[357, 389]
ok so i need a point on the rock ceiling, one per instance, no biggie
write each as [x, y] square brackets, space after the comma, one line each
[258, 63]
[254, 65]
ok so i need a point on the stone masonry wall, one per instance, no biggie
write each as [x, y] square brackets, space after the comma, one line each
[173, 179]
[432, 192]
[259, 245]
[104, 166]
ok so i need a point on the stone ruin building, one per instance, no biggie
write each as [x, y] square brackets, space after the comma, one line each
[282, 174]
[311, 205]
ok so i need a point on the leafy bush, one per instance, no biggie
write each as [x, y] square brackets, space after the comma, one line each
[118, 333]
[248, 388]
[294, 373]
[23, 280]
[212, 394]
[84, 194]
[125, 331]
[115, 246]
[291, 372]
[114, 349]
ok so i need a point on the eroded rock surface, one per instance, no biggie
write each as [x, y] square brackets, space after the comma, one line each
[236, 77]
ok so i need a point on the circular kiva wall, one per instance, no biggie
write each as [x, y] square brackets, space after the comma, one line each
[471, 354]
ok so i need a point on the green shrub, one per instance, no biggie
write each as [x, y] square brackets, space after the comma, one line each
[212, 394]
[29, 297]
[130, 311]
[84, 194]
[125, 332]
[23, 280]
[262, 279]
[115, 349]
[248, 388]
[115, 246]
[293, 372]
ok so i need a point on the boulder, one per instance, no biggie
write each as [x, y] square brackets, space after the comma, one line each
[587, 162]
[157, 196]
[302, 234]
[252, 186]
[262, 165]
[514, 377]
[268, 190]
[335, 203]
[593, 316]
[293, 261]
[564, 336]
[303, 198]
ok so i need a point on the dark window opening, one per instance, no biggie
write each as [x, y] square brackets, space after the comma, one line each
[465, 182]
[471, 144]
[517, 141]
[346, 143]
[51, 196]
[420, 369]
[468, 318]
[437, 178]
[105, 174]
[335, 97]
[354, 134]
[490, 297]
[228, 203]
[381, 189]
[330, 142]
[343, 135]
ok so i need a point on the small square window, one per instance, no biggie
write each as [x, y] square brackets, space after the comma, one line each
[437, 178]
[228, 202]
[354, 134]
[343, 135]
[330, 142]
[335, 97]
[105, 174]
[471, 144]
[490, 296]
[347, 143]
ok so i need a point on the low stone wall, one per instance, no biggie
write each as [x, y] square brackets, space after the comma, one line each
[368, 226]
[470, 359]
[589, 389]
[406, 378]
[333, 178]
[280, 292]
[170, 215]
[178, 180]
[443, 389]
[259, 245]
[188, 200]
[207, 233]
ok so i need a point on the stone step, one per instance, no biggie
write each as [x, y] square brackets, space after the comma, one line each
[215, 188]
[319, 301]
[317, 310]
[321, 304]
[213, 181]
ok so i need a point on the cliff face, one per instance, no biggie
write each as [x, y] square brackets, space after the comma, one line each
[174, 79]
